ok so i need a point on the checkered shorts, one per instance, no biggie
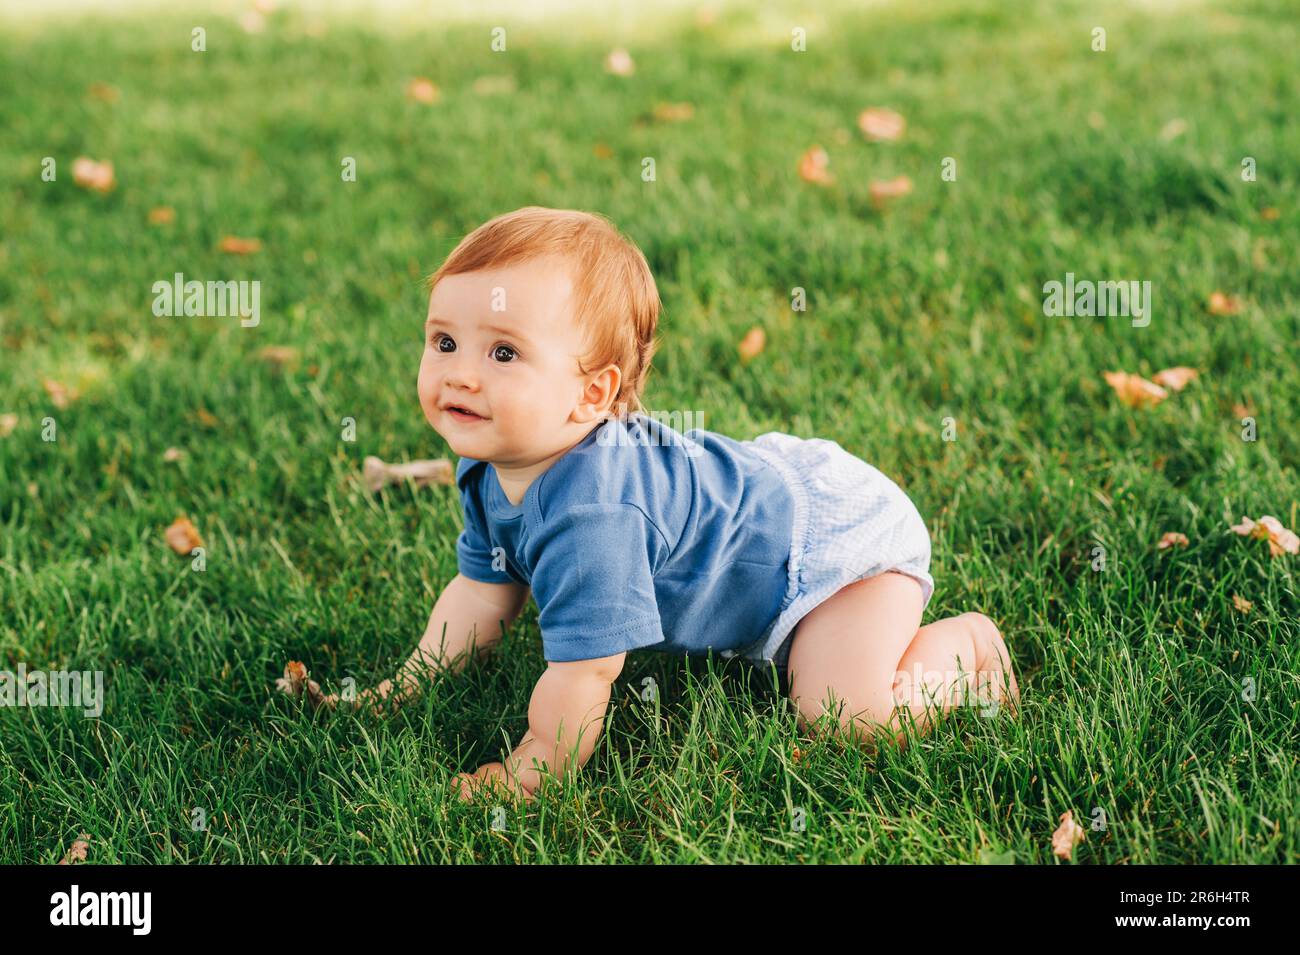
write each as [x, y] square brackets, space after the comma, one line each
[850, 522]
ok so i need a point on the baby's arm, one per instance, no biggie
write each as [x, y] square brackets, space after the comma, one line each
[467, 619]
[565, 717]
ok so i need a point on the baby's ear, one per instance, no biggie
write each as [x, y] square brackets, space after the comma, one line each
[598, 396]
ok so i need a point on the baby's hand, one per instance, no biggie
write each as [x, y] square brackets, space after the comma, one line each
[381, 699]
[491, 778]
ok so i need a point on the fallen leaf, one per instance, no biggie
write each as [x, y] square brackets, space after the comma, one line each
[1067, 835]
[881, 125]
[1172, 539]
[279, 356]
[206, 418]
[1241, 604]
[8, 422]
[1221, 304]
[1244, 410]
[673, 112]
[796, 755]
[182, 536]
[234, 245]
[297, 681]
[1134, 390]
[423, 90]
[813, 167]
[1270, 214]
[90, 174]
[494, 85]
[378, 474]
[1173, 129]
[601, 151]
[1280, 540]
[173, 454]
[753, 343]
[251, 21]
[1175, 379]
[619, 62]
[162, 215]
[77, 852]
[884, 191]
[103, 91]
[60, 394]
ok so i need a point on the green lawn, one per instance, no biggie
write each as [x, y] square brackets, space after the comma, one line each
[1132, 677]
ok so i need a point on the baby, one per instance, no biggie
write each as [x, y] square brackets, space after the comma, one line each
[786, 552]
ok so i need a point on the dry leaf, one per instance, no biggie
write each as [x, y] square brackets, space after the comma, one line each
[103, 91]
[881, 125]
[378, 474]
[297, 681]
[796, 755]
[1134, 390]
[1067, 835]
[234, 245]
[673, 112]
[813, 167]
[93, 175]
[206, 418]
[884, 191]
[1270, 214]
[279, 356]
[423, 90]
[619, 62]
[1220, 304]
[494, 85]
[1175, 379]
[78, 850]
[1280, 540]
[1241, 603]
[601, 151]
[173, 454]
[1172, 539]
[753, 343]
[8, 422]
[1173, 129]
[162, 215]
[60, 394]
[182, 536]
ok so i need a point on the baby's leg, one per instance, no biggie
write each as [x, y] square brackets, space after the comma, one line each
[861, 657]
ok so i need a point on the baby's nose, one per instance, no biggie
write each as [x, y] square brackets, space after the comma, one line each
[461, 374]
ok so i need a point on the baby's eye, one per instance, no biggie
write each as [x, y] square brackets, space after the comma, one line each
[504, 353]
[443, 342]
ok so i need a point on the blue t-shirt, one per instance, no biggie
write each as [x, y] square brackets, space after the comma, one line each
[638, 536]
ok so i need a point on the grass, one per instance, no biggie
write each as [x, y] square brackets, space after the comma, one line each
[1132, 677]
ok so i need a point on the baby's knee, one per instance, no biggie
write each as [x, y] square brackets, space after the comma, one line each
[864, 724]
[983, 631]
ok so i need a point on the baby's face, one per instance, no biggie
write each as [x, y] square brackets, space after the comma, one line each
[499, 379]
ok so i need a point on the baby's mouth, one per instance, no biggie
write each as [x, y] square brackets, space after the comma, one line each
[463, 414]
